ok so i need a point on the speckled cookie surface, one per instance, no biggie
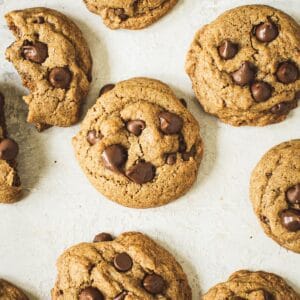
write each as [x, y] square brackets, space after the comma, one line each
[10, 292]
[275, 194]
[139, 145]
[244, 66]
[130, 267]
[54, 62]
[129, 14]
[246, 285]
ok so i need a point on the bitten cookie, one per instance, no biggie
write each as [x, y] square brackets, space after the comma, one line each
[54, 62]
[10, 189]
[129, 14]
[275, 194]
[244, 66]
[10, 292]
[131, 267]
[139, 145]
[246, 285]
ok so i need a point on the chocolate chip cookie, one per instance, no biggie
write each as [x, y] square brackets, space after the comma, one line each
[130, 267]
[10, 189]
[139, 145]
[246, 285]
[54, 62]
[275, 194]
[244, 66]
[129, 14]
[10, 292]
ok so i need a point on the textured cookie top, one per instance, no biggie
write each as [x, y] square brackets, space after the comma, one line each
[139, 145]
[10, 292]
[129, 14]
[246, 285]
[245, 65]
[275, 193]
[54, 62]
[131, 267]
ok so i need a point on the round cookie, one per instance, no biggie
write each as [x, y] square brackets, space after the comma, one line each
[10, 292]
[246, 285]
[139, 145]
[54, 62]
[130, 14]
[130, 267]
[244, 66]
[275, 194]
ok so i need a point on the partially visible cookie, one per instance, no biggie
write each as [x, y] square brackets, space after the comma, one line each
[139, 145]
[275, 194]
[131, 267]
[129, 14]
[10, 292]
[54, 62]
[10, 188]
[244, 66]
[246, 285]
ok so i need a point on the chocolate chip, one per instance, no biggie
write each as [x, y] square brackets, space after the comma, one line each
[106, 88]
[267, 295]
[228, 50]
[36, 52]
[60, 77]
[182, 144]
[114, 157]
[90, 293]
[287, 72]
[266, 32]
[183, 102]
[281, 108]
[187, 155]
[136, 127]
[261, 91]
[121, 296]
[171, 158]
[93, 137]
[293, 194]
[39, 20]
[141, 173]
[290, 219]
[123, 262]
[154, 284]
[9, 149]
[245, 74]
[120, 12]
[103, 237]
[170, 123]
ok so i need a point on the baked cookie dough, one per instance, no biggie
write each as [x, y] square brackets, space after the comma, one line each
[129, 14]
[139, 145]
[10, 292]
[244, 66]
[54, 62]
[246, 285]
[275, 194]
[131, 267]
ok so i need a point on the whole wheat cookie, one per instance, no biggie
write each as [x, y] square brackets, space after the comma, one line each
[275, 194]
[246, 285]
[129, 14]
[131, 267]
[54, 62]
[244, 66]
[139, 145]
[8, 291]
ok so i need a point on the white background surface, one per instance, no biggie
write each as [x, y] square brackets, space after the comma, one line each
[212, 230]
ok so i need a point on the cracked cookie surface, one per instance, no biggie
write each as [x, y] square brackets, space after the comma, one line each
[54, 62]
[10, 292]
[244, 66]
[275, 194]
[130, 267]
[139, 145]
[130, 14]
[246, 285]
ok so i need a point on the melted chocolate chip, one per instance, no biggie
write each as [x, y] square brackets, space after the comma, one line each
[290, 219]
[141, 173]
[261, 91]
[282, 108]
[183, 102]
[266, 32]
[136, 127]
[187, 155]
[9, 149]
[267, 295]
[182, 144]
[39, 20]
[91, 293]
[36, 52]
[103, 237]
[154, 284]
[244, 75]
[228, 50]
[287, 72]
[293, 194]
[170, 123]
[114, 157]
[106, 88]
[93, 137]
[60, 77]
[120, 12]
[171, 158]
[121, 296]
[123, 262]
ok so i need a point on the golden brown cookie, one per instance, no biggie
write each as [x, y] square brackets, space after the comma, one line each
[54, 62]
[246, 285]
[130, 14]
[275, 194]
[131, 267]
[139, 145]
[10, 292]
[244, 66]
